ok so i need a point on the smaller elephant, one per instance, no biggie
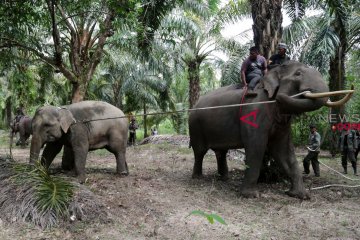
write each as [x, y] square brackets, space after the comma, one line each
[80, 128]
[23, 127]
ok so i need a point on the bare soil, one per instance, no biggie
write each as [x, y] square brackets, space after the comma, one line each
[155, 200]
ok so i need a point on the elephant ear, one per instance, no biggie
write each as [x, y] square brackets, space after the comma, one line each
[66, 119]
[271, 82]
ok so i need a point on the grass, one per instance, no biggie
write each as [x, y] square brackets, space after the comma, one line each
[4, 138]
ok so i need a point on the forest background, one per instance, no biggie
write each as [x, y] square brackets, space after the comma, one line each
[147, 56]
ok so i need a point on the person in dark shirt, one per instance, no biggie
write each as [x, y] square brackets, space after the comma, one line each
[348, 145]
[132, 131]
[280, 57]
[253, 69]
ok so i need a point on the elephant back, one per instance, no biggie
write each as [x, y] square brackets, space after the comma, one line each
[92, 110]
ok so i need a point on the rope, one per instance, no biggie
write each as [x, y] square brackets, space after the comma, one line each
[192, 109]
[337, 185]
[352, 179]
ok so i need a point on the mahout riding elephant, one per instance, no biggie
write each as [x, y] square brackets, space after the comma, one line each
[79, 127]
[23, 127]
[258, 127]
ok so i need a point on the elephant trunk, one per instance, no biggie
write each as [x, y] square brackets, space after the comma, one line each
[35, 147]
[298, 105]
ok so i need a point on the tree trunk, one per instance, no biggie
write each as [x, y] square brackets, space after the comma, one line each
[145, 119]
[194, 82]
[267, 18]
[117, 94]
[337, 77]
[337, 72]
[8, 107]
[86, 46]
[267, 29]
[78, 92]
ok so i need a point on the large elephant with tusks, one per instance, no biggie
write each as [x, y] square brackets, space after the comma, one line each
[79, 127]
[258, 127]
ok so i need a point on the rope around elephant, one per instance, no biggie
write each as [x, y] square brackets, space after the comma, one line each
[191, 109]
[228, 106]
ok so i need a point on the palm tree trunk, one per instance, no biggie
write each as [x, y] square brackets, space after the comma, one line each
[267, 18]
[337, 77]
[145, 119]
[8, 107]
[267, 29]
[194, 82]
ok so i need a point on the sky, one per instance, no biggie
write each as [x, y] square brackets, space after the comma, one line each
[233, 30]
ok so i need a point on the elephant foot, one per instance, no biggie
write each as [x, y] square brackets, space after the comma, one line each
[67, 168]
[81, 179]
[197, 175]
[249, 193]
[223, 177]
[299, 194]
[123, 173]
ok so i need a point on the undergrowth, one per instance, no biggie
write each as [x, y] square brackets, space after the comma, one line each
[29, 193]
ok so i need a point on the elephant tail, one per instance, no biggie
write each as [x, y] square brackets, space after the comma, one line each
[189, 143]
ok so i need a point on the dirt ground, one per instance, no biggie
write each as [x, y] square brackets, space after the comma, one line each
[155, 200]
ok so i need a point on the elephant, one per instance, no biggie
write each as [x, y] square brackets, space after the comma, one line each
[79, 127]
[23, 127]
[258, 127]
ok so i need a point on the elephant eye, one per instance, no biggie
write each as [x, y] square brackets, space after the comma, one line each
[298, 73]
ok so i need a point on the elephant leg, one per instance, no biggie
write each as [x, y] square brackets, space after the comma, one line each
[283, 152]
[223, 169]
[50, 152]
[22, 136]
[67, 162]
[254, 158]
[121, 165]
[199, 157]
[117, 146]
[80, 150]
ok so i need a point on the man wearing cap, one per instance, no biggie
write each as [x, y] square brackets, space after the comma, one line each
[313, 152]
[280, 57]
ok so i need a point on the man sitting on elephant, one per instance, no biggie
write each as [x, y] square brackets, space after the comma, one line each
[252, 70]
[279, 58]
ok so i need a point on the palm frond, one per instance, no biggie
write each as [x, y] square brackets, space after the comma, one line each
[233, 12]
[31, 194]
[231, 70]
[295, 8]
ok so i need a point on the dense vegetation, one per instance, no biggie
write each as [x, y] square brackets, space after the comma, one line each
[147, 56]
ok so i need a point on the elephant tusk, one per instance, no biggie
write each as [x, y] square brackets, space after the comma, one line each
[329, 103]
[328, 94]
[340, 102]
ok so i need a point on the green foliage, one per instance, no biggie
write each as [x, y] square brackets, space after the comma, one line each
[300, 128]
[210, 217]
[43, 199]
